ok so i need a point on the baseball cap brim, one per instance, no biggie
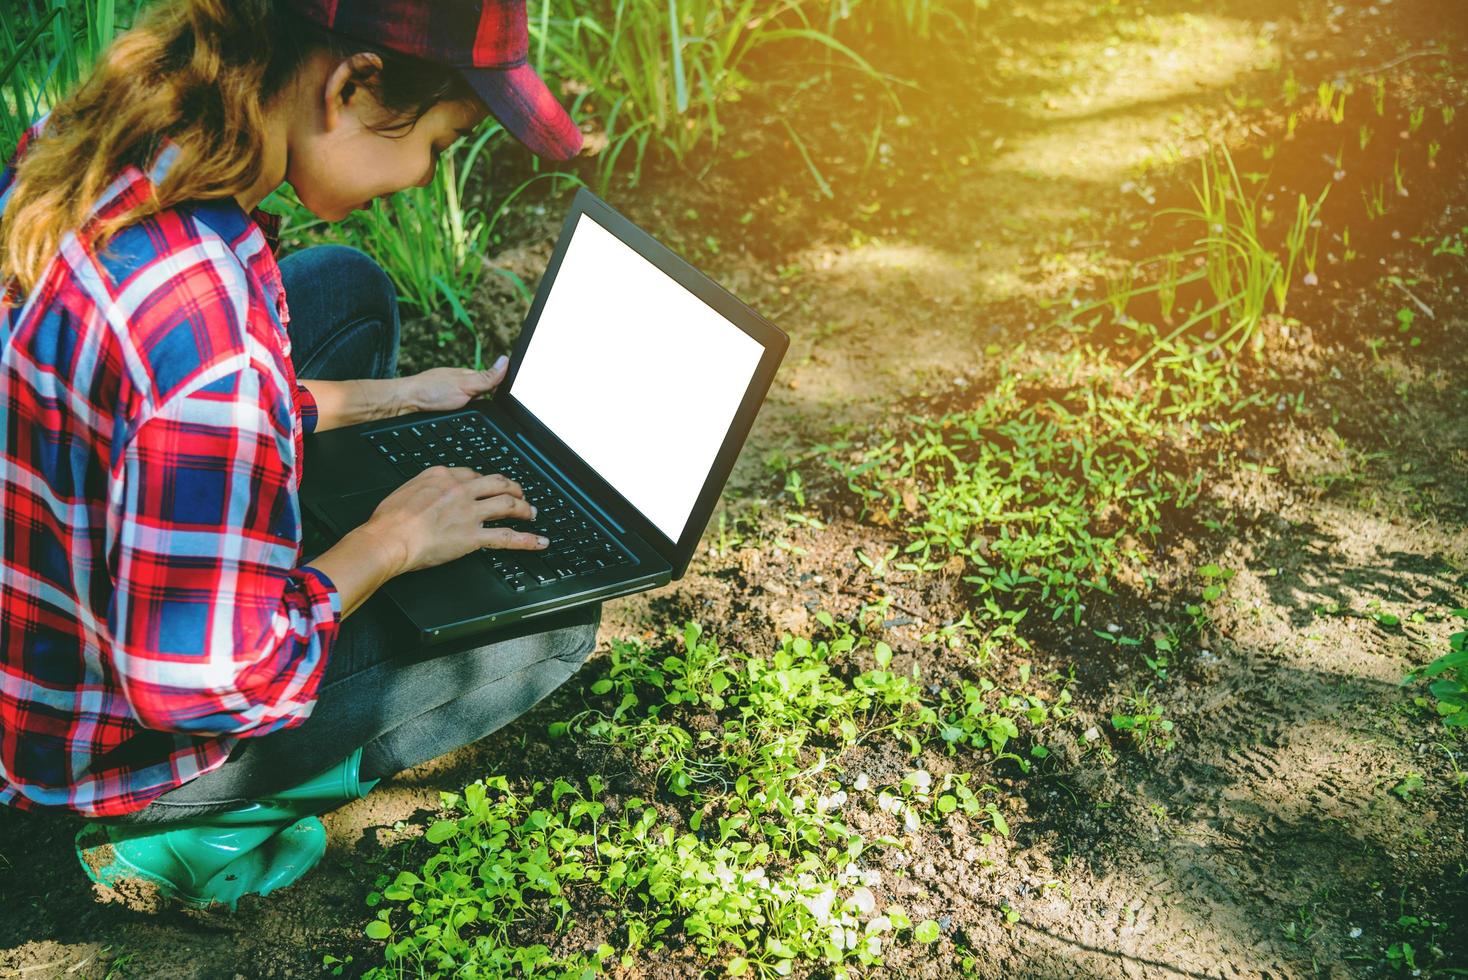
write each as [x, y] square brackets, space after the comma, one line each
[519, 99]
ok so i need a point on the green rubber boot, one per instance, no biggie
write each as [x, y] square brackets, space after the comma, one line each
[252, 849]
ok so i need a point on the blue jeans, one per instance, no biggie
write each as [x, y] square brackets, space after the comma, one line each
[404, 706]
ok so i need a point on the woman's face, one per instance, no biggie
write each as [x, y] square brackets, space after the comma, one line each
[338, 157]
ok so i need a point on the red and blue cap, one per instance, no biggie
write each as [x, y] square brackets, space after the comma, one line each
[486, 41]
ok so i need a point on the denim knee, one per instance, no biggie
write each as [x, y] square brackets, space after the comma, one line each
[580, 646]
[362, 274]
[355, 269]
[581, 640]
[335, 290]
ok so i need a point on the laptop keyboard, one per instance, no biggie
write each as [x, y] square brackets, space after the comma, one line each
[578, 546]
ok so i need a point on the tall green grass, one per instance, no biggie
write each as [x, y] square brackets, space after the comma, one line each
[45, 50]
[657, 73]
[1242, 267]
[921, 16]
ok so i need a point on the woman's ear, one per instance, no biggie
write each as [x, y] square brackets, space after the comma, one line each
[344, 86]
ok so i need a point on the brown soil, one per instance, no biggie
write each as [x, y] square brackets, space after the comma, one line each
[1280, 838]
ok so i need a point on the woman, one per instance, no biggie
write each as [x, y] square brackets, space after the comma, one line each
[168, 664]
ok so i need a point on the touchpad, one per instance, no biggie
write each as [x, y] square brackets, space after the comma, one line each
[350, 512]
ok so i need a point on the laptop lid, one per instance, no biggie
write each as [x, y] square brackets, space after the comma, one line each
[639, 376]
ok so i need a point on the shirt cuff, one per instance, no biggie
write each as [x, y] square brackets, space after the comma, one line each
[306, 403]
[333, 596]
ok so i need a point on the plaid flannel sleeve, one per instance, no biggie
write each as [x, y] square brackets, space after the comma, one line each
[215, 630]
[306, 405]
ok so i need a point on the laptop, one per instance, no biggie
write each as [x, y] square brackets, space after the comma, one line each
[630, 393]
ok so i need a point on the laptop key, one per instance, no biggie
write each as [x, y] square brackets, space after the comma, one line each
[529, 562]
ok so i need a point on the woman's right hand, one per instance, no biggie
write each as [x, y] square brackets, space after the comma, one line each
[439, 514]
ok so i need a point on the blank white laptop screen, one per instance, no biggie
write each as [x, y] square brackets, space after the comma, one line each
[638, 376]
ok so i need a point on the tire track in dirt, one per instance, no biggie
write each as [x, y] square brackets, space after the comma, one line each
[1279, 786]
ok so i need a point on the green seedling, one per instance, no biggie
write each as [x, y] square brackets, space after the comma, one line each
[1409, 784]
[1164, 647]
[1460, 775]
[1418, 950]
[1117, 639]
[1143, 722]
[1216, 580]
[978, 645]
[336, 964]
[727, 536]
[805, 520]
[1303, 927]
[1453, 244]
[1374, 196]
[1325, 95]
[1306, 216]
[758, 868]
[1449, 677]
[794, 486]
[877, 566]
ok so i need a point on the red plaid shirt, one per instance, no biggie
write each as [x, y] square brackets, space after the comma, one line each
[154, 611]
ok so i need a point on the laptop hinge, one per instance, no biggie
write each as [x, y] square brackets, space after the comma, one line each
[567, 482]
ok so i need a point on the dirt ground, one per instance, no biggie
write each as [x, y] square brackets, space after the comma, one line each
[1311, 818]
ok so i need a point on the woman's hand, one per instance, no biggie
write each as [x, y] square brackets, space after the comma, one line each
[445, 389]
[439, 515]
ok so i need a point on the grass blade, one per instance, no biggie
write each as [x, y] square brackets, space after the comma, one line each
[814, 172]
[680, 80]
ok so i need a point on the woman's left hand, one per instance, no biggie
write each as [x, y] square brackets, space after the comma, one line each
[444, 389]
